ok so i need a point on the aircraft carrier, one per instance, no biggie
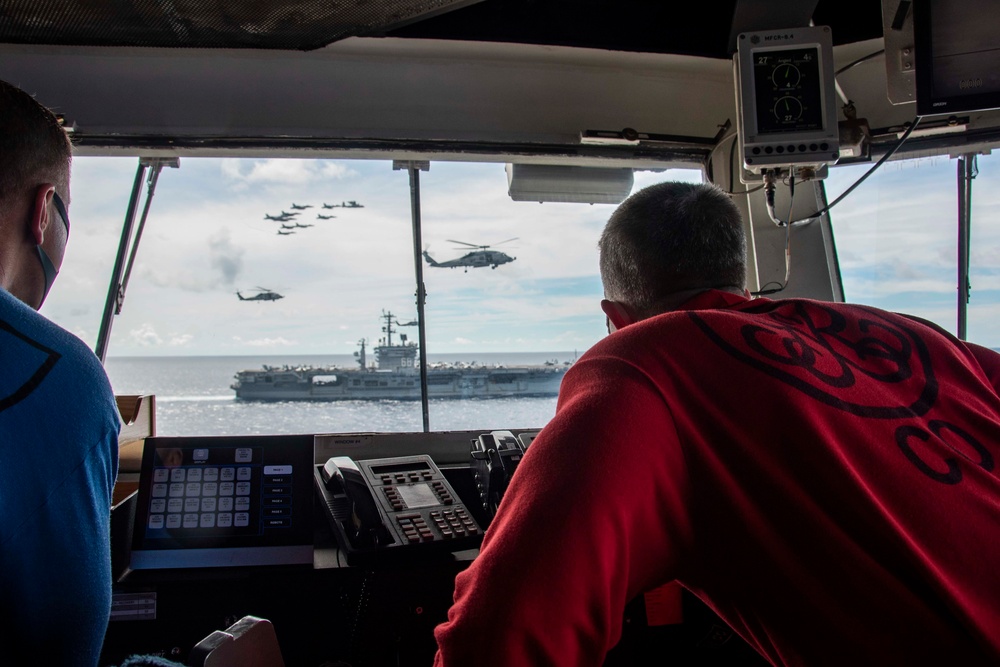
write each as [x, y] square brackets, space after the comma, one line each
[395, 375]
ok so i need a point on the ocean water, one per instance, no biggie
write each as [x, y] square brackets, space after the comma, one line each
[193, 397]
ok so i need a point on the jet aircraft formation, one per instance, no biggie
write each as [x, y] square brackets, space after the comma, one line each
[289, 216]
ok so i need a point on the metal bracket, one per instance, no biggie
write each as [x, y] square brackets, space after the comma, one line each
[121, 272]
[900, 61]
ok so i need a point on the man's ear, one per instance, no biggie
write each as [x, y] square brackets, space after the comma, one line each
[618, 313]
[38, 220]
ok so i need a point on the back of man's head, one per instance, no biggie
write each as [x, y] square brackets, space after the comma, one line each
[669, 238]
[34, 147]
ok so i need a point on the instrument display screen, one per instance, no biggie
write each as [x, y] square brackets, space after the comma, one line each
[213, 501]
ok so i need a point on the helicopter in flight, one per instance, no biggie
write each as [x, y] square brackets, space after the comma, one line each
[482, 256]
[261, 295]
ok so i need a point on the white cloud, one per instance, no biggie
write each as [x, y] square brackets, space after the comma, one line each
[282, 171]
[280, 341]
[145, 336]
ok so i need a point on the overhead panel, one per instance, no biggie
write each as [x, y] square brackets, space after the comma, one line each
[259, 24]
[757, 15]
[560, 183]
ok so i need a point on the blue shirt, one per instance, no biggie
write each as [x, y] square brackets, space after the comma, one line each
[58, 461]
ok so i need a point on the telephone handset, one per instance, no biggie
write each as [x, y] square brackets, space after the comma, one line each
[405, 505]
[365, 528]
[495, 456]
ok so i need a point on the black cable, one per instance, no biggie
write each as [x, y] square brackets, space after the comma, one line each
[858, 62]
[864, 176]
[791, 185]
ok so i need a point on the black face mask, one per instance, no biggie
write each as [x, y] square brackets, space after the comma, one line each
[50, 272]
[47, 266]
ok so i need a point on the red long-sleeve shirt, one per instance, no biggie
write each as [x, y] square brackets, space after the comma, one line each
[824, 476]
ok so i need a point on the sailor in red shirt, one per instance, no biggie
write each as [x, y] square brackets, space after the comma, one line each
[824, 476]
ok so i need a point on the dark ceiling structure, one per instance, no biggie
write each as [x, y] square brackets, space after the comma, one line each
[705, 29]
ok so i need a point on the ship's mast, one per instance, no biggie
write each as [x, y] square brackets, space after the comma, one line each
[388, 327]
[361, 356]
[390, 319]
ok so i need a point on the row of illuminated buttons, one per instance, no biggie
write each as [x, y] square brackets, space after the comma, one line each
[174, 505]
[442, 492]
[179, 489]
[404, 477]
[201, 474]
[195, 520]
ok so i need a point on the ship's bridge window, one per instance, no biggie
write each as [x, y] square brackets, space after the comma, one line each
[287, 263]
[897, 242]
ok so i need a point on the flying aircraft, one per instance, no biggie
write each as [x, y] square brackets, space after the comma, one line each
[344, 204]
[261, 295]
[285, 232]
[303, 207]
[279, 218]
[483, 256]
[320, 216]
[284, 226]
[298, 224]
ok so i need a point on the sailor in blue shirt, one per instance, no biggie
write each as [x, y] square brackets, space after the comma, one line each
[58, 419]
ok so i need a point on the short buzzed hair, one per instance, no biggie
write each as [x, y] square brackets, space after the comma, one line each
[34, 147]
[671, 237]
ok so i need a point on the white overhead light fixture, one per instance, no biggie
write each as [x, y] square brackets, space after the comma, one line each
[559, 183]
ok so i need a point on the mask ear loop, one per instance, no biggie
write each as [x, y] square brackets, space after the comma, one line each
[47, 266]
[57, 200]
[50, 272]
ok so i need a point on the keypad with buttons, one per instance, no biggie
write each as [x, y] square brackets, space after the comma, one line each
[421, 506]
[232, 492]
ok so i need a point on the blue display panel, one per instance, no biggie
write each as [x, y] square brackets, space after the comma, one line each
[224, 501]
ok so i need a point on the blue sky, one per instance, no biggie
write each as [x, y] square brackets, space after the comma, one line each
[206, 238]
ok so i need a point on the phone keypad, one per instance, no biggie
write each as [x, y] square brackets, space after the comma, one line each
[451, 524]
[454, 523]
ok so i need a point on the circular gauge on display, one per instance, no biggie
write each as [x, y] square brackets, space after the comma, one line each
[786, 75]
[787, 109]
